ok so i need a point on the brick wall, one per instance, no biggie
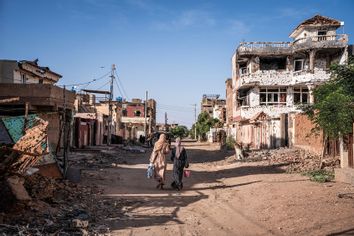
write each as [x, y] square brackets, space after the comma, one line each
[303, 135]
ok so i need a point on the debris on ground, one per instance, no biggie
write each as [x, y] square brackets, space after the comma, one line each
[295, 160]
[60, 207]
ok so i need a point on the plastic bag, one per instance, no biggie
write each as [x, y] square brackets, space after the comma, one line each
[187, 173]
[150, 171]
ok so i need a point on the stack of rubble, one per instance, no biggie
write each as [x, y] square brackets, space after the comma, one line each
[60, 207]
[295, 160]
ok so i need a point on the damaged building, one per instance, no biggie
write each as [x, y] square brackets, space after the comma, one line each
[31, 106]
[271, 79]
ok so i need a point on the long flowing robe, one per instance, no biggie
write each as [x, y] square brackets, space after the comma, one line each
[158, 158]
[179, 162]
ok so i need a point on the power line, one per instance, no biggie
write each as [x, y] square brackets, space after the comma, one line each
[121, 84]
[89, 82]
[120, 91]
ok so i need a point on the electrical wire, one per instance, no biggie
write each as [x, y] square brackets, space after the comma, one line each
[115, 80]
[121, 84]
[87, 83]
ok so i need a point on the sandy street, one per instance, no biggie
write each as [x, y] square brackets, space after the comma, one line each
[223, 198]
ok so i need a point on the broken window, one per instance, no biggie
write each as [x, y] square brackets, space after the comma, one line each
[272, 96]
[137, 113]
[277, 63]
[322, 35]
[243, 68]
[24, 78]
[298, 64]
[301, 96]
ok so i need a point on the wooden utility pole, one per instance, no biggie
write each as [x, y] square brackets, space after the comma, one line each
[65, 147]
[109, 133]
[166, 121]
[145, 113]
[26, 118]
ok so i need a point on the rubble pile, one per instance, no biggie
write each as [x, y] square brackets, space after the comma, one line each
[294, 160]
[96, 160]
[60, 207]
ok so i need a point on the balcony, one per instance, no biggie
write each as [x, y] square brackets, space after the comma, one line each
[247, 112]
[268, 48]
[320, 42]
[286, 48]
[45, 95]
[281, 78]
[266, 78]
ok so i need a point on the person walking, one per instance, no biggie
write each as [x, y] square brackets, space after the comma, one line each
[158, 159]
[179, 158]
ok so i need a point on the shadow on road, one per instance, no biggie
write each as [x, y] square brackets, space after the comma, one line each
[156, 207]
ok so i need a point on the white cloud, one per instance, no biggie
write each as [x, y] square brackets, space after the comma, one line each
[187, 19]
[238, 27]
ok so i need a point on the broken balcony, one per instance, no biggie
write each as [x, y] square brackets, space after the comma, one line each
[268, 48]
[281, 78]
[320, 42]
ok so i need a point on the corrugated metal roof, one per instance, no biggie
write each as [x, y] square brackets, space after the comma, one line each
[14, 125]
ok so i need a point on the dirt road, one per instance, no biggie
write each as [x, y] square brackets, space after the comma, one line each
[223, 198]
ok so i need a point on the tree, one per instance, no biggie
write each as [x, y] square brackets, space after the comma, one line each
[204, 123]
[180, 131]
[333, 109]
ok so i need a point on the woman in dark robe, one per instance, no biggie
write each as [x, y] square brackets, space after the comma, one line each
[179, 158]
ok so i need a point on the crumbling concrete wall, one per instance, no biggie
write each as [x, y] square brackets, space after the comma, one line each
[53, 127]
[272, 111]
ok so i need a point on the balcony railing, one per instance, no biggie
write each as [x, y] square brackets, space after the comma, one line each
[321, 41]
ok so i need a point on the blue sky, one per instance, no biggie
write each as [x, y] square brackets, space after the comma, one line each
[177, 50]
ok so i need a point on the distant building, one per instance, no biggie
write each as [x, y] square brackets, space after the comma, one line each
[133, 118]
[215, 107]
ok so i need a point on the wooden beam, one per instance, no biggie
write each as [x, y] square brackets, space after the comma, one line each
[8, 100]
[22, 152]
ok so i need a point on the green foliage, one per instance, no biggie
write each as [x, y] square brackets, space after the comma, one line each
[230, 143]
[320, 176]
[180, 131]
[333, 109]
[204, 123]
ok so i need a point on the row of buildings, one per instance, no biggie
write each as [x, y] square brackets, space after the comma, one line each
[74, 119]
[271, 79]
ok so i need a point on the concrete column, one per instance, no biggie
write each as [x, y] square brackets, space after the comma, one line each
[311, 96]
[312, 56]
[290, 97]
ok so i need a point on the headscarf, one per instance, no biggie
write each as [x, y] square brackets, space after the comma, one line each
[159, 144]
[179, 147]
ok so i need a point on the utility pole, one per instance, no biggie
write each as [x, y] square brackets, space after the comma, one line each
[195, 121]
[109, 133]
[65, 144]
[145, 113]
[166, 121]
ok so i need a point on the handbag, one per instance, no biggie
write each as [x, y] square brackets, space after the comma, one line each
[150, 171]
[187, 173]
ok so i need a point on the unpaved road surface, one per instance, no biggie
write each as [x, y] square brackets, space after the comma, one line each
[223, 198]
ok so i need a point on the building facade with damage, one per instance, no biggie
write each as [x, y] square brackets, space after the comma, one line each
[28, 95]
[271, 79]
